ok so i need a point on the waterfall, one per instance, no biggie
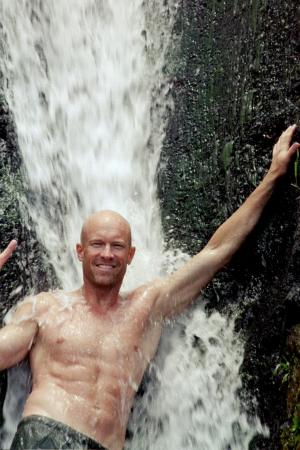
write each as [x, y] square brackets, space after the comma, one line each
[85, 83]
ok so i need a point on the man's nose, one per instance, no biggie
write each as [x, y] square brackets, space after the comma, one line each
[107, 253]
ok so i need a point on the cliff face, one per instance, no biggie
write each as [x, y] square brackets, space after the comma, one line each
[28, 270]
[235, 88]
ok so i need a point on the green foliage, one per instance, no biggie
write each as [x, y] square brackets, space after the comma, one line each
[288, 371]
[254, 15]
[291, 436]
[296, 168]
[283, 370]
[226, 154]
[247, 106]
[296, 423]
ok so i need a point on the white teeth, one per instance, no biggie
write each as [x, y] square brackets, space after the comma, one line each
[105, 265]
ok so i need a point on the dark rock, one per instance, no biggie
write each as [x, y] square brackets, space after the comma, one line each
[27, 270]
[236, 90]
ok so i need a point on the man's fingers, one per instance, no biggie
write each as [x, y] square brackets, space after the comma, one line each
[6, 254]
[287, 135]
[294, 148]
[284, 140]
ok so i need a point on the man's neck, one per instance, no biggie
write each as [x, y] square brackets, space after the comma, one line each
[102, 298]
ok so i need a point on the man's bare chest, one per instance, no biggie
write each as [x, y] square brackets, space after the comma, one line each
[80, 334]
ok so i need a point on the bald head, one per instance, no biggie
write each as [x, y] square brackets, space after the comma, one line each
[106, 218]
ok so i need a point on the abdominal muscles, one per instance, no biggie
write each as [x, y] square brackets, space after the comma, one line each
[90, 410]
[87, 378]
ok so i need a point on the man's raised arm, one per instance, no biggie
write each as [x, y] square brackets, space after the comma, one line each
[16, 338]
[181, 288]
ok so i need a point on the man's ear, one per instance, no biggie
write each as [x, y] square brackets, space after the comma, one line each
[131, 254]
[79, 251]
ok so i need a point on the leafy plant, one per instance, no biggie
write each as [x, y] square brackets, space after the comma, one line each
[296, 168]
[283, 371]
[226, 154]
[296, 423]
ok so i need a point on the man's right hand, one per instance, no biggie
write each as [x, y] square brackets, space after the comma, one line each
[17, 337]
[6, 254]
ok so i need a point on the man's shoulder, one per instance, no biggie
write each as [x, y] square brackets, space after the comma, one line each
[135, 293]
[43, 299]
[144, 294]
[38, 303]
[28, 308]
[57, 298]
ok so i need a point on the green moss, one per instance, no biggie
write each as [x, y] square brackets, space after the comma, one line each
[290, 436]
[254, 9]
[226, 154]
[296, 169]
[296, 423]
[247, 105]
[258, 54]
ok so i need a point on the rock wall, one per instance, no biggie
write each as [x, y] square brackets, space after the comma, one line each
[27, 271]
[235, 78]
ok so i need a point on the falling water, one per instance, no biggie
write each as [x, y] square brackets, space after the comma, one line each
[86, 87]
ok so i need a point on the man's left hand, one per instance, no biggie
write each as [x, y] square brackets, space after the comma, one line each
[283, 151]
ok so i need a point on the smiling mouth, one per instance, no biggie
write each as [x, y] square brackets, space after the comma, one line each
[106, 267]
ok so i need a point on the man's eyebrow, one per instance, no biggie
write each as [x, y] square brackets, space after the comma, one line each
[114, 241]
[95, 241]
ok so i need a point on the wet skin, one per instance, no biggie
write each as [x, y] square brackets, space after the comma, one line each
[88, 354]
[92, 346]
[87, 365]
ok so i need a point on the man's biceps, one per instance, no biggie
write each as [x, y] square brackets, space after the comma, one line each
[23, 311]
[162, 298]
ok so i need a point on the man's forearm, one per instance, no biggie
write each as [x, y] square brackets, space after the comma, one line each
[185, 284]
[231, 234]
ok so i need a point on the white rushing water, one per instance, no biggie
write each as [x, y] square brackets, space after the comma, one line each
[86, 87]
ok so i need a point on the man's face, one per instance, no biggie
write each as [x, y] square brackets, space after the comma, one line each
[105, 251]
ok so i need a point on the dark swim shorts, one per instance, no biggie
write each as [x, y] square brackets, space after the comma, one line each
[39, 432]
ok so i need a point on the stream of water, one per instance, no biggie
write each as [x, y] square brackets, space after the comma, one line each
[85, 83]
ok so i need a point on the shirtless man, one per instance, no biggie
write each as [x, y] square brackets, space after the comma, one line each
[90, 348]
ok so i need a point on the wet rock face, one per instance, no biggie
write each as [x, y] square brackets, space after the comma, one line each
[26, 272]
[235, 88]
[290, 436]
